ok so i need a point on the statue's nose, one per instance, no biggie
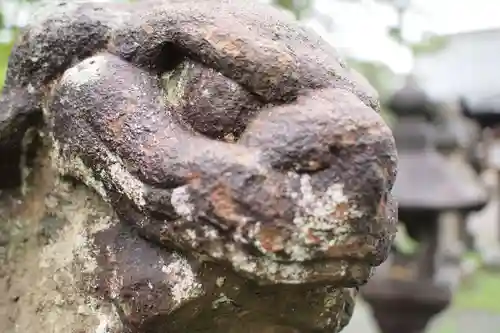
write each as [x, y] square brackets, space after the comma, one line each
[322, 129]
[337, 155]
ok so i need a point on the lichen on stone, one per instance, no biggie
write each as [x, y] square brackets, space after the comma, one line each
[57, 301]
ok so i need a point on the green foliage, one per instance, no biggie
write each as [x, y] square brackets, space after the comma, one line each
[396, 34]
[429, 45]
[4, 57]
[379, 76]
[6, 47]
[377, 73]
[403, 242]
[299, 8]
[483, 295]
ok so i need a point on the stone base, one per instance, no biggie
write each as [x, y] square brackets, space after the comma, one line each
[405, 306]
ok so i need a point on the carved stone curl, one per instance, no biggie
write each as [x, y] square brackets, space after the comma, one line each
[236, 173]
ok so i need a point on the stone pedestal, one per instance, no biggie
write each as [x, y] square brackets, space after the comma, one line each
[405, 306]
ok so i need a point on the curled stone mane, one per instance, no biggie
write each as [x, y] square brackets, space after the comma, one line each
[223, 148]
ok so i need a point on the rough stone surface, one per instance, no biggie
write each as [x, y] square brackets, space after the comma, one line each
[84, 271]
[237, 177]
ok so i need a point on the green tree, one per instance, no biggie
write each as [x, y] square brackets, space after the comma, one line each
[377, 73]
[299, 8]
[4, 58]
[6, 45]
[430, 42]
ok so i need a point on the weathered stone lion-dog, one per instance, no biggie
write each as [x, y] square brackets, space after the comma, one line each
[188, 166]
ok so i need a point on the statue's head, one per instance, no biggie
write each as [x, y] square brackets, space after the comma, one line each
[222, 131]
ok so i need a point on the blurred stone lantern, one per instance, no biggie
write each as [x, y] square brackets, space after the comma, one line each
[459, 139]
[459, 135]
[486, 113]
[410, 289]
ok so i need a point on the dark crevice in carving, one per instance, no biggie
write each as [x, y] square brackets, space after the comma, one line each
[14, 150]
[164, 57]
[10, 171]
[169, 56]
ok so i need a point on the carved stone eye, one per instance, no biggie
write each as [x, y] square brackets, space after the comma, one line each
[209, 102]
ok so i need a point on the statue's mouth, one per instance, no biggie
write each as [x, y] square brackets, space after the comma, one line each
[325, 238]
[320, 271]
[232, 301]
[343, 269]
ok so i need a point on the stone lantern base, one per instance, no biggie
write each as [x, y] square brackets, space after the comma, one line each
[405, 306]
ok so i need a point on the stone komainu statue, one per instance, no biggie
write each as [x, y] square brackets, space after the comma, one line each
[187, 166]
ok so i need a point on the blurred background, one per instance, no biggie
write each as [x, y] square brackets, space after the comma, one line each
[434, 65]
